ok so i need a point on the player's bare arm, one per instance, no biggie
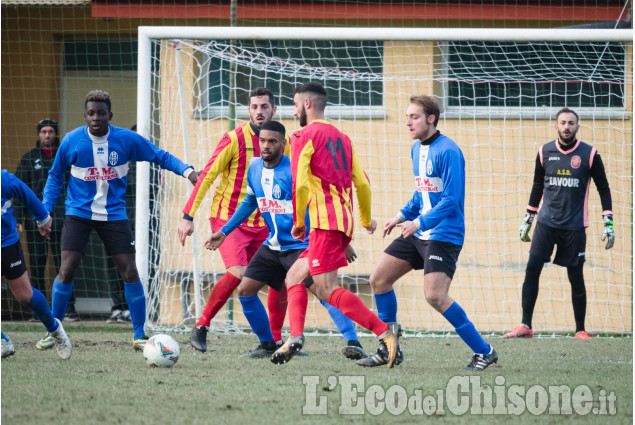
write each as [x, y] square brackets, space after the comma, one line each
[186, 228]
[298, 233]
[371, 229]
[408, 228]
[350, 253]
[193, 177]
[389, 225]
[215, 241]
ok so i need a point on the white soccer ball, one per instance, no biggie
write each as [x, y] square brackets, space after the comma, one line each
[161, 351]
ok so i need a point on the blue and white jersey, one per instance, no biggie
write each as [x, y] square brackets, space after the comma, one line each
[99, 171]
[13, 187]
[270, 190]
[438, 201]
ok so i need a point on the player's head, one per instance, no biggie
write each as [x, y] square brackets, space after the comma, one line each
[422, 116]
[47, 133]
[261, 106]
[97, 112]
[272, 141]
[567, 125]
[309, 96]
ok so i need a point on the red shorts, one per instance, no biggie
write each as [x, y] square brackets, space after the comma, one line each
[326, 251]
[241, 244]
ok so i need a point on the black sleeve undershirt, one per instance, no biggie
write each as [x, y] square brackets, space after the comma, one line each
[538, 186]
[599, 177]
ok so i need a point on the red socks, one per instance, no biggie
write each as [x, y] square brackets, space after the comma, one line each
[298, 300]
[221, 291]
[353, 308]
[277, 306]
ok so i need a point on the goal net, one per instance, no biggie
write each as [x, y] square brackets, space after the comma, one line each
[499, 91]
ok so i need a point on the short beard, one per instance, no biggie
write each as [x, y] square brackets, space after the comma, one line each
[566, 141]
[303, 120]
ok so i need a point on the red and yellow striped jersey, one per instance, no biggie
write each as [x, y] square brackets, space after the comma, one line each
[230, 159]
[324, 168]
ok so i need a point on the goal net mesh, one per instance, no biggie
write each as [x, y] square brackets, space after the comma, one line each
[498, 100]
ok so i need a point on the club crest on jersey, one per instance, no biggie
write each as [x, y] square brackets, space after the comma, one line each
[113, 158]
[576, 161]
[429, 167]
[276, 192]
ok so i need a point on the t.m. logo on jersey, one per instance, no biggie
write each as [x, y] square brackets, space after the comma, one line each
[428, 184]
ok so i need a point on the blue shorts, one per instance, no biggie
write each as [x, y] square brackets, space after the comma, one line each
[116, 235]
[431, 256]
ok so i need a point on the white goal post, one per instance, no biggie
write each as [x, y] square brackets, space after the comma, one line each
[499, 90]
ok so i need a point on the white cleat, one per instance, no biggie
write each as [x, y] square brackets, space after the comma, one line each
[62, 343]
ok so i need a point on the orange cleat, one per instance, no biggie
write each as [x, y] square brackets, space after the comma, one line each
[582, 335]
[520, 331]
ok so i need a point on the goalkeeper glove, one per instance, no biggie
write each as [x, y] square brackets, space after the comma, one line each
[526, 226]
[608, 230]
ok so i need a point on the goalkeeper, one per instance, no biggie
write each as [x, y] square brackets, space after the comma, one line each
[561, 179]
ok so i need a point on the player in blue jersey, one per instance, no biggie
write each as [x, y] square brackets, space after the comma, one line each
[269, 188]
[98, 155]
[562, 176]
[432, 231]
[14, 267]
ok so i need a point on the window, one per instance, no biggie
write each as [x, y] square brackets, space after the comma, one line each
[533, 76]
[351, 72]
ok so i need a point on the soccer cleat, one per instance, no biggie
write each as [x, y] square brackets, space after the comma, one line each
[297, 354]
[7, 348]
[72, 317]
[265, 349]
[582, 335]
[140, 343]
[354, 351]
[61, 341]
[380, 358]
[45, 343]
[198, 338]
[124, 317]
[113, 316]
[390, 340]
[289, 349]
[520, 331]
[480, 362]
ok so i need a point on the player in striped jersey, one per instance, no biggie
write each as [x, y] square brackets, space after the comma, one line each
[14, 268]
[98, 155]
[562, 177]
[432, 231]
[269, 185]
[324, 168]
[230, 160]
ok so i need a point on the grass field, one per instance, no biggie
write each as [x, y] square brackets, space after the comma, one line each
[106, 382]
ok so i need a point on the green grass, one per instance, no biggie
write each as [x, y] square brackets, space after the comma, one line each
[106, 382]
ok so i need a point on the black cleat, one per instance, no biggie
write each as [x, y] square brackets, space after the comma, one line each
[390, 340]
[354, 351]
[481, 362]
[265, 349]
[380, 358]
[198, 338]
[289, 349]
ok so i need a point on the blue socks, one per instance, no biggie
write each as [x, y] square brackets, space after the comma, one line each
[257, 317]
[61, 294]
[41, 307]
[387, 306]
[343, 323]
[137, 305]
[4, 337]
[465, 329]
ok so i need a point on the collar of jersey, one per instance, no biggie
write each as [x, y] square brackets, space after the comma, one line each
[98, 140]
[320, 121]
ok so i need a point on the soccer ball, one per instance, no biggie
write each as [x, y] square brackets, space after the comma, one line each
[161, 351]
